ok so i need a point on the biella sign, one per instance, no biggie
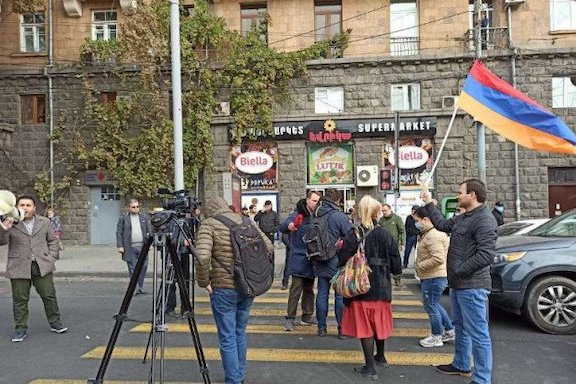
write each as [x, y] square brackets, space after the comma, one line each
[410, 157]
[253, 162]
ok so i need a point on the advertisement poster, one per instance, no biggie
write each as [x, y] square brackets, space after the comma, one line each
[330, 164]
[259, 199]
[416, 159]
[256, 164]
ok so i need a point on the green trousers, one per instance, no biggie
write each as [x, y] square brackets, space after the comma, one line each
[21, 295]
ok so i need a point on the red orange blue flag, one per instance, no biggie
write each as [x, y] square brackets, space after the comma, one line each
[510, 113]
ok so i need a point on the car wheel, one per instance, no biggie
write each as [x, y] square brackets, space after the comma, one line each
[551, 305]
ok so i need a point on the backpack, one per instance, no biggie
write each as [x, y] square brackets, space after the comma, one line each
[317, 239]
[253, 270]
[353, 279]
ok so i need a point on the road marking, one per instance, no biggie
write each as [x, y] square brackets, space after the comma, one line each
[278, 291]
[281, 355]
[278, 312]
[61, 381]
[284, 300]
[275, 329]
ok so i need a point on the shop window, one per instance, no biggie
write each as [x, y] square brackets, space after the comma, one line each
[405, 97]
[563, 92]
[104, 25]
[328, 15]
[33, 109]
[328, 100]
[32, 32]
[404, 32]
[562, 15]
[252, 16]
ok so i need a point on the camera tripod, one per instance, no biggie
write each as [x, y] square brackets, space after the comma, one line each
[166, 247]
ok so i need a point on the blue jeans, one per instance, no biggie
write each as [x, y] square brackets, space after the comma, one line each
[231, 311]
[432, 290]
[322, 304]
[410, 243]
[470, 316]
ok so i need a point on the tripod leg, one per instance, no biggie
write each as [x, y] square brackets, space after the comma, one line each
[121, 316]
[158, 304]
[185, 302]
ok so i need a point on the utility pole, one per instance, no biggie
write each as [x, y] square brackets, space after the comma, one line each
[176, 94]
[480, 129]
[396, 159]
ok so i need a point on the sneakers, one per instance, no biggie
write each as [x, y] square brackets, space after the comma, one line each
[308, 321]
[432, 341]
[397, 280]
[322, 332]
[367, 374]
[19, 336]
[58, 327]
[381, 361]
[448, 336]
[288, 325]
[284, 286]
[449, 369]
[341, 335]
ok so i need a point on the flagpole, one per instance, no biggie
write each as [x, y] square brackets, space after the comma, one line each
[480, 129]
[427, 182]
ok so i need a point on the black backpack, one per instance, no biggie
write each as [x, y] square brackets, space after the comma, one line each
[317, 239]
[253, 264]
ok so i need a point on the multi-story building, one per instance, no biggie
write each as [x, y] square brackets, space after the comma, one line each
[404, 67]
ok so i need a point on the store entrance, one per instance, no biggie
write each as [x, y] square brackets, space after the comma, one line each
[347, 194]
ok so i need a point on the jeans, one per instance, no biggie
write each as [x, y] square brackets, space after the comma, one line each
[470, 316]
[231, 311]
[432, 290]
[305, 287]
[410, 243]
[322, 304]
[133, 255]
[21, 295]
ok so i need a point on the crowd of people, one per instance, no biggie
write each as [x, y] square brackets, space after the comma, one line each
[460, 262]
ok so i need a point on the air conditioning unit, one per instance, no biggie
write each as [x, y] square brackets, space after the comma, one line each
[222, 109]
[514, 2]
[367, 176]
[449, 102]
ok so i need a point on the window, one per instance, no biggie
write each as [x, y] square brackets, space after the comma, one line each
[32, 32]
[329, 100]
[328, 16]
[488, 35]
[104, 25]
[562, 15]
[252, 16]
[405, 97]
[33, 108]
[563, 92]
[404, 33]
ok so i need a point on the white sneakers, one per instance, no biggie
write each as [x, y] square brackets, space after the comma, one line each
[448, 336]
[438, 340]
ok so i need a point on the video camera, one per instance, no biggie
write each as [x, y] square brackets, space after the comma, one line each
[182, 201]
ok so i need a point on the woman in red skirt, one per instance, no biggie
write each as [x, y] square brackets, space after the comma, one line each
[368, 317]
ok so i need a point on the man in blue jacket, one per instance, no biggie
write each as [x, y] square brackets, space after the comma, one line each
[338, 226]
[470, 254]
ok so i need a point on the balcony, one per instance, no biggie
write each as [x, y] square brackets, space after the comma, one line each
[404, 46]
[492, 38]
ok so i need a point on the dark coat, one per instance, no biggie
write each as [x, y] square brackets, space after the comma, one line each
[298, 263]
[338, 226]
[124, 232]
[383, 257]
[472, 246]
[498, 216]
[268, 221]
[410, 226]
[42, 244]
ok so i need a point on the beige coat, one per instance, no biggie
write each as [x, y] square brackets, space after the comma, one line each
[431, 254]
[215, 253]
[42, 245]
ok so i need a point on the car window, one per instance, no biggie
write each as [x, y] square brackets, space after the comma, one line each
[511, 228]
[561, 226]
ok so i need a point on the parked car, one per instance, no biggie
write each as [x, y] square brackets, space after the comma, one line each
[535, 275]
[520, 227]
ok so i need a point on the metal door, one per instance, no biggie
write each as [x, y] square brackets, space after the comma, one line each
[561, 198]
[104, 213]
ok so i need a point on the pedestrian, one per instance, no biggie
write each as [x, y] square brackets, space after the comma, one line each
[431, 269]
[252, 211]
[299, 266]
[268, 220]
[498, 212]
[131, 231]
[230, 308]
[411, 235]
[55, 224]
[395, 227]
[32, 253]
[245, 211]
[368, 317]
[470, 254]
[338, 226]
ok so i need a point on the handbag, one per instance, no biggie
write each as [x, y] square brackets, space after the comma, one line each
[353, 279]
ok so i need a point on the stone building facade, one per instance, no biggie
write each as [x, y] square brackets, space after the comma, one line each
[365, 75]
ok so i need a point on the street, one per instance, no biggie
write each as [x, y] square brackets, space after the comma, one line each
[522, 355]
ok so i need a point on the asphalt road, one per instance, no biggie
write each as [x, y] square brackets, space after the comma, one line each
[522, 355]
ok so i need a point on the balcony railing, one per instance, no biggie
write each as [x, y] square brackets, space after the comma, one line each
[491, 38]
[404, 46]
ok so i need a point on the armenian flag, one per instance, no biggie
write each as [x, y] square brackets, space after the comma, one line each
[510, 113]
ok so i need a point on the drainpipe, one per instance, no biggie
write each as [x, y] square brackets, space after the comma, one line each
[513, 76]
[50, 93]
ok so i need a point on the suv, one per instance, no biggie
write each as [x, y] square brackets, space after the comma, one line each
[535, 275]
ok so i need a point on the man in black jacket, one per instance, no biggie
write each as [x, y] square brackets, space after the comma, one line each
[471, 251]
[411, 236]
[498, 212]
[268, 220]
